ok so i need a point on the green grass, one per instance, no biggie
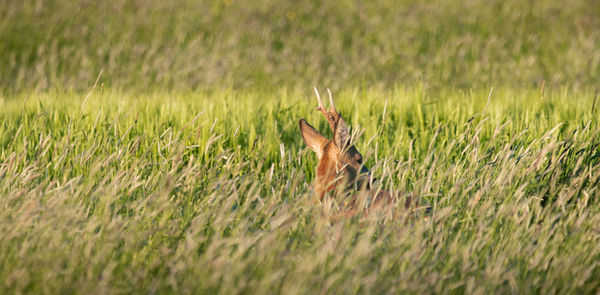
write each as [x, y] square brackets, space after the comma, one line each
[153, 146]
[176, 192]
[189, 44]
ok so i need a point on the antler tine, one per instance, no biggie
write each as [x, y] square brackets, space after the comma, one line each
[331, 101]
[331, 119]
[333, 112]
[320, 107]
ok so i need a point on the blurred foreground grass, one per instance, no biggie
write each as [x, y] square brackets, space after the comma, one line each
[209, 192]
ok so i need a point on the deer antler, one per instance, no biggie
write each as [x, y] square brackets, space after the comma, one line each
[332, 115]
[331, 102]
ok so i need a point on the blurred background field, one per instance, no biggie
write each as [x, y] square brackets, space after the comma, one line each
[182, 44]
[153, 146]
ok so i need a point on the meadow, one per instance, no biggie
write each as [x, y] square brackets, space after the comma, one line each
[153, 147]
[111, 193]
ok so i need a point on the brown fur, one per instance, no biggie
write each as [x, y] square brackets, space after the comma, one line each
[341, 164]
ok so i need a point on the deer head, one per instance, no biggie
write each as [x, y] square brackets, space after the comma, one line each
[339, 161]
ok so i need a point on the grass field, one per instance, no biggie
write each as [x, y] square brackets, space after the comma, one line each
[203, 192]
[189, 44]
[153, 147]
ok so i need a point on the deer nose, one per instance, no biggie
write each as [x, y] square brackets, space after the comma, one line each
[363, 179]
[364, 170]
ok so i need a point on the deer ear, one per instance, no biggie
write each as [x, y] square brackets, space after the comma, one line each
[341, 137]
[312, 138]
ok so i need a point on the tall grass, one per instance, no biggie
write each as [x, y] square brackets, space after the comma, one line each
[183, 169]
[204, 192]
[185, 44]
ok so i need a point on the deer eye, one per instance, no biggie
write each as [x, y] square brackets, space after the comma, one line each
[358, 159]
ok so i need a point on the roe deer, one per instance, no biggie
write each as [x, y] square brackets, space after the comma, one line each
[341, 164]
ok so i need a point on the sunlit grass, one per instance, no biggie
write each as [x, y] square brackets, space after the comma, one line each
[210, 192]
[183, 171]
